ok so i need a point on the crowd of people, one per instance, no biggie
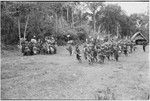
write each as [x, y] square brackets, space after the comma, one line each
[35, 46]
[96, 51]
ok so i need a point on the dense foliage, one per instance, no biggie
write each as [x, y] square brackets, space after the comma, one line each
[40, 19]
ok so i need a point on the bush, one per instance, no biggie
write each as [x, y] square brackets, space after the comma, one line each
[8, 47]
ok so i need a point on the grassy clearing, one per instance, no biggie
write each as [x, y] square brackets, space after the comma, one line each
[60, 76]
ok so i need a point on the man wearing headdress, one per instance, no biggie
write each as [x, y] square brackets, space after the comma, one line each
[33, 40]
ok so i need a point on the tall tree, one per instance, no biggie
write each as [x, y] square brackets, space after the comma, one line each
[94, 8]
[109, 18]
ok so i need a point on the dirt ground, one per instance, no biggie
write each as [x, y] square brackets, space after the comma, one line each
[60, 76]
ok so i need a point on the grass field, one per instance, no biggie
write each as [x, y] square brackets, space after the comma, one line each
[60, 76]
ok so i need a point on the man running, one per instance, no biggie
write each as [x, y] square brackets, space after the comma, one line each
[70, 49]
[78, 54]
[125, 49]
[131, 47]
[116, 55]
[144, 46]
[85, 50]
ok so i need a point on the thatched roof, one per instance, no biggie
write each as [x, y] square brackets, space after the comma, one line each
[138, 35]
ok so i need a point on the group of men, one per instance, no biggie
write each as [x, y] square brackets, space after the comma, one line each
[99, 52]
[34, 47]
[95, 51]
[29, 47]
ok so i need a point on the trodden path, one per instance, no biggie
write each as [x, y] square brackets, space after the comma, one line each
[60, 76]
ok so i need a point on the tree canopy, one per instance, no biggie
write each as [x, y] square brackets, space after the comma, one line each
[26, 19]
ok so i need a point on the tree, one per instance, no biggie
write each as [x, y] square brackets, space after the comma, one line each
[94, 8]
[139, 22]
[109, 19]
[21, 11]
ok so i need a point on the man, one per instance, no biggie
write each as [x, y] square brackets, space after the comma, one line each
[33, 40]
[78, 54]
[70, 49]
[108, 52]
[102, 56]
[111, 50]
[39, 45]
[95, 53]
[131, 47]
[31, 48]
[48, 40]
[85, 51]
[125, 49]
[116, 55]
[35, 50]
[26, 51]
[52, 40]
[144, 46]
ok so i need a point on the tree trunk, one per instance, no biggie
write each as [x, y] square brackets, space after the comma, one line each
[61, 20]
[94, 21]
[118, 30]
[19, 31]
[26, 27]
[67, 14]
[72, 19]
[62, 24]
[56, 20]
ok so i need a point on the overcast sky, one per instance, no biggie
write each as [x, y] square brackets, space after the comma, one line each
[132, 7]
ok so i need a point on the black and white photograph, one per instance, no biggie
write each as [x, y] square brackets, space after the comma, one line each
[75, 50]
